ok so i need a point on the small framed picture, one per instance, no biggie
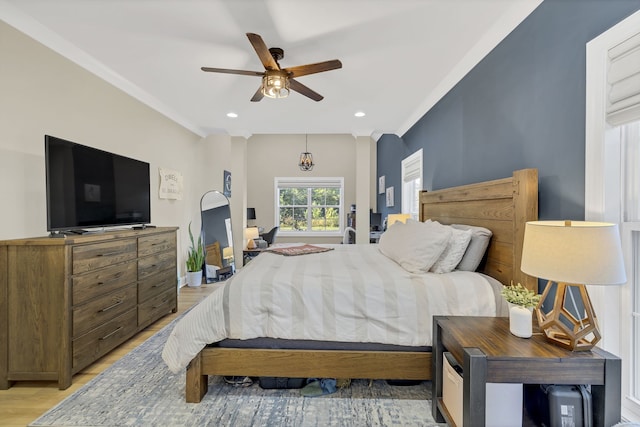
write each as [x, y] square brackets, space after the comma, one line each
[390, 197]
[381, 187]
[226, 177]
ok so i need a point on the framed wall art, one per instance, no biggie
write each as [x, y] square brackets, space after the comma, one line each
[226, 179]
[389, 197]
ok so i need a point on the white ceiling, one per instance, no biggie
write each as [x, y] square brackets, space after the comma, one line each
[399, 56]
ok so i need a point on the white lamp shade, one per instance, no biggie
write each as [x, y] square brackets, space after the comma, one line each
[227, 252]
[251, 233]
[576, 252]
[391, 218]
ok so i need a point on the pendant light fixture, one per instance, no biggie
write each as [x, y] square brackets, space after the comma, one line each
[306, 158]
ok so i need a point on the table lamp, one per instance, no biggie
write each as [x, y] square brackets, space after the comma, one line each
[572, 254]
[391, 218]
[227, 255]
[251, 233]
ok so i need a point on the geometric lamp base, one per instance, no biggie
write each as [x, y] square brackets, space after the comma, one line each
[571, 323]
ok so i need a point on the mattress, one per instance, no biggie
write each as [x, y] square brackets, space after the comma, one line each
[350, 294]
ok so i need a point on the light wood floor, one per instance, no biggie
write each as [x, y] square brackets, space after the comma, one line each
[27, 400]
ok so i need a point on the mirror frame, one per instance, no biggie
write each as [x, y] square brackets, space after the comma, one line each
[228, 265]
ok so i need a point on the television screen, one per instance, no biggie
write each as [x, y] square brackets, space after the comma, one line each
[88, 188]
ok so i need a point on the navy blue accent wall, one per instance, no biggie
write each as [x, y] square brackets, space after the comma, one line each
[522, 106]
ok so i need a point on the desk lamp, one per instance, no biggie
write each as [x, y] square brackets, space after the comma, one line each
[572, 254]
[250, 234]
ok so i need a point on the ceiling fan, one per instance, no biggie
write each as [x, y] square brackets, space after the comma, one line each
[277, 81]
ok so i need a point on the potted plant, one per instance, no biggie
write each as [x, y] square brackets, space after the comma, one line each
[521, 301]
[195, 261]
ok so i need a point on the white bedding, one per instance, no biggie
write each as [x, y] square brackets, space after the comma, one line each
[351, 294]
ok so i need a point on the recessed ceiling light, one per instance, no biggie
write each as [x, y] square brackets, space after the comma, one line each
[232, 115]
[360, 114]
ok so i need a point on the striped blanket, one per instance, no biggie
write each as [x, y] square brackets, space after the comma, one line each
[350, 294]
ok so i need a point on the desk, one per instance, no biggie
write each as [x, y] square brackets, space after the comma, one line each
[488, 352]
[374, 236]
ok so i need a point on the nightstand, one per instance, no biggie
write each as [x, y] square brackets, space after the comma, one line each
[489, 353]
[249, 254]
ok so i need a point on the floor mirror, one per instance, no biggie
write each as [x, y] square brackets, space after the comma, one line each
[216, 236]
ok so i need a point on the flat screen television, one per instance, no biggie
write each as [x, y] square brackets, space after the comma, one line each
[90, 188]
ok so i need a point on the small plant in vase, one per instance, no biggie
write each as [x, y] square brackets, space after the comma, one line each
[195, 261]
[522, 302]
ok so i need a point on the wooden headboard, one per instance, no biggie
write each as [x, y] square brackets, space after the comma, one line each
[503, 206]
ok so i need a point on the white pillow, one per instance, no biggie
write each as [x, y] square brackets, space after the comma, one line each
[477, 247]
[454, 251]
[414, 245]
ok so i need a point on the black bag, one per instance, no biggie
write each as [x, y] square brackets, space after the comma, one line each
[281, 382]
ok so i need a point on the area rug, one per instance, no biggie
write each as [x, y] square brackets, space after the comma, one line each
[139, 390]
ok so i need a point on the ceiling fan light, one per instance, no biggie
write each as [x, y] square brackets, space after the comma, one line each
[275, 84]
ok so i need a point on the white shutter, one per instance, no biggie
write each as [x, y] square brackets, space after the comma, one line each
[297, 182]
[623, 78]
[411, 183]
[412, 167]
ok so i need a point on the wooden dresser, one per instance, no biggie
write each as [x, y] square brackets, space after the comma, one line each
[65, 302]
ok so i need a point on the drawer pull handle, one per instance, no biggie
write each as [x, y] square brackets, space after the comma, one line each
[117, 303]
[109, 334]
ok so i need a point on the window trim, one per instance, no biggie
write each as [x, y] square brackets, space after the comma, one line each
[307, 182]
[607, 300]
[408, 166]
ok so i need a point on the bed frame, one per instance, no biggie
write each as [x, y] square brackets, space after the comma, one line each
[503, 206]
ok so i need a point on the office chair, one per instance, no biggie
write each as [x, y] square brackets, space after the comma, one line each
[270, 237]
[349, 236]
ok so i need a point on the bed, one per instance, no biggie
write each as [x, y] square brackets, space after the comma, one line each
[503, 206]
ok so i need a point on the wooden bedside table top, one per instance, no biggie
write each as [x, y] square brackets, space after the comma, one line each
[526, 359]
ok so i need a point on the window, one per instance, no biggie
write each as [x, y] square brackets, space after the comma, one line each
[630, 168]
[311, 206]
[412, 183]
[611, 192]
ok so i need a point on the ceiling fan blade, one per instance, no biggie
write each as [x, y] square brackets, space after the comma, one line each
[263, 52]
[258, 95]
[303, 70]
[228, 71]
[303, 90]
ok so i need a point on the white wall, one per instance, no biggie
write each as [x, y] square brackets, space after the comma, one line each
[42, 93]
[270, 156]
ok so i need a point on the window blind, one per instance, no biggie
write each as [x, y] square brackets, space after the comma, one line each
[412, 167]
[623, 78]
[309, 183]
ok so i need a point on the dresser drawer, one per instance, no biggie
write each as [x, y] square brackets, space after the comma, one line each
[101, 340]
[156, 307]
[157, 284]
[154, 264]
[156, 243]
[104, 308]
[95, 283]
[98, 255]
